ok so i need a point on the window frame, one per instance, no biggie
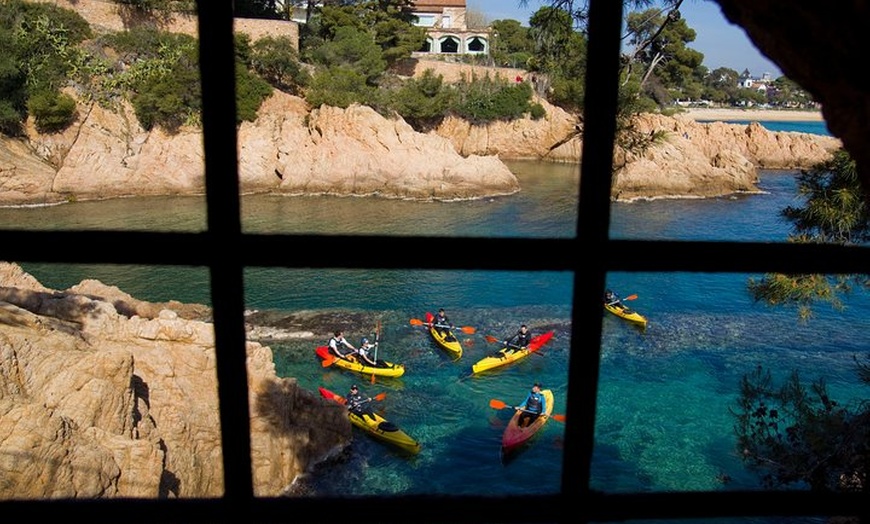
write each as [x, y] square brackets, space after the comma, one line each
[226, 251]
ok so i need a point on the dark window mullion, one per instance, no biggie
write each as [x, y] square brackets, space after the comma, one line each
[593, 222]
[217, 66]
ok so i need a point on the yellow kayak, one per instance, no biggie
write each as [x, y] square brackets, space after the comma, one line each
[376, 426]
[509, 354]
[383, 369]
[622, 311]
[448, 341]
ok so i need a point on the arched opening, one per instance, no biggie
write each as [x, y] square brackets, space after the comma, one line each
[449, 44]
[476, 45]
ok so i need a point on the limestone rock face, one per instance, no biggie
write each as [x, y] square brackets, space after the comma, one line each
[355, 151]
[553, 137]
[98, 403]
[694, 159]
[294, 150]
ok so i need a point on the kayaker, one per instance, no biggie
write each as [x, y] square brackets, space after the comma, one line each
[335, 344]
[442, 323]
[358, 404]
[520, 339]
[532, 406]
[611, 298]
[364, 348]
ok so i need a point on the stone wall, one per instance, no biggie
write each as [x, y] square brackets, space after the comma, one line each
[106, 16]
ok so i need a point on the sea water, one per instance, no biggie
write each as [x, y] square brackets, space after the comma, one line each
[663, 420]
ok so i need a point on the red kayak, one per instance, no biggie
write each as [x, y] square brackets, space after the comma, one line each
[514, 436]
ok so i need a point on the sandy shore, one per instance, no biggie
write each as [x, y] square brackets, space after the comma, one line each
[768, 115]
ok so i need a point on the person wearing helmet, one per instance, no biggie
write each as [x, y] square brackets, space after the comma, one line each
[358, 404]
[365, 347]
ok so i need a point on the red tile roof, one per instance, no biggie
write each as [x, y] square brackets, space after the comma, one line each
[437, 5]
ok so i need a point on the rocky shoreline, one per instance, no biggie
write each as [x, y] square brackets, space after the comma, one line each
[292, 149]
[119, 396]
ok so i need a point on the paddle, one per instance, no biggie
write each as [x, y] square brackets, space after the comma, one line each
[498, 404]
[468, 330]
[533, 345]
[630, 297]
[377, 336]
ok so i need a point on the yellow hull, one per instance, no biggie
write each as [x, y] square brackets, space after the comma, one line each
[383, 369]
[626, 313]
[448, 342]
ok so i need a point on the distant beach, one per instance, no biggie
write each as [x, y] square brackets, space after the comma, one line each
[767, 115]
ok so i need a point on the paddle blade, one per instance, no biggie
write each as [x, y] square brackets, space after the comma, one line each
[380, 396]
[497, 404]
[468, 330]
[373, 378]
[490, 338]
[560, 418]
[630, 297]
[328, 361]
[416, 322]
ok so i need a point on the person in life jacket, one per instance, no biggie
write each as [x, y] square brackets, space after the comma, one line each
[519, 340]
[337, 342]
[442, 323]
[532, 406]
[363, 351]
[357, 403]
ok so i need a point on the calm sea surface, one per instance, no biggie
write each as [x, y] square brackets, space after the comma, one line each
[663, 420]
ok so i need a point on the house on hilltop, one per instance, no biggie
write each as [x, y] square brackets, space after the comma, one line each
[447, 31]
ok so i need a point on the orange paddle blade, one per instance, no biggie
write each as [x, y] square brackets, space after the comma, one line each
[630, 297]
[468, 330]
[490, 338]
[560, 418]
[381, 396]
[373, 378]
[497, 404]
[416, 322]
[327, 362]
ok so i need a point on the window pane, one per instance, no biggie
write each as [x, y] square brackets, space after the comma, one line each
[112, 106]
[107, 394]
[666, 392]
[436, 400]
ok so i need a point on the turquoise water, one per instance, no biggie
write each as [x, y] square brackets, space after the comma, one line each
[663, 419]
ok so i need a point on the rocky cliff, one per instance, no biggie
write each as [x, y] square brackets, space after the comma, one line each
[103, 395]
[293, 149]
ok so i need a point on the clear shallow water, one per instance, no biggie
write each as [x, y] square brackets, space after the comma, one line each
[663, 419]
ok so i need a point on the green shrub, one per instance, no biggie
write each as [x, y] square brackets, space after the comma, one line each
[339, 87]
[10, 119]
[481, 101]
[52, 110]
[423, 102]
[251, 91]
[537, 111]
[276, 61]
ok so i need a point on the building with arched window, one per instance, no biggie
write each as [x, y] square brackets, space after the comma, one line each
[447, 31]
